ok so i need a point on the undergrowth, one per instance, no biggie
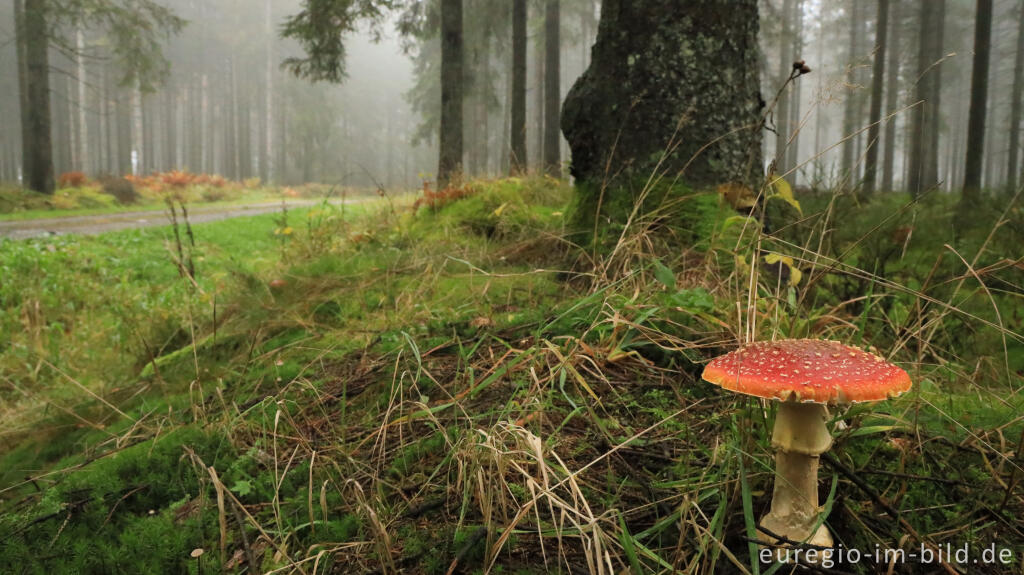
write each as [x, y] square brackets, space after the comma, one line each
[465, 386]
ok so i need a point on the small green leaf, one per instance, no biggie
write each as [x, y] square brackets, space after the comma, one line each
[664, 275]
[242, 487]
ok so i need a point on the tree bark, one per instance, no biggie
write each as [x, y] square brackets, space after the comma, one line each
[891, 99]
[877, 83]
[922, 171]
[552, 89]
[123, 107]
[170, 139]
[852, 107]
[518, 159]
[782, 113]
[37, 149]
[671, 86]
[84, 155]
[978, 108]
[450, 159]
[797, 47]
[1016, 105]
[268, 167]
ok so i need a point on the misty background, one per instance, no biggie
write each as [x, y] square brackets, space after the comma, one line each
[226, 106]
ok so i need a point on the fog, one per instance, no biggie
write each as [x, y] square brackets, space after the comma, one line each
[226, 104]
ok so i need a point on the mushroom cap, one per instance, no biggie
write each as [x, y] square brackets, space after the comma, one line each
[807, 370]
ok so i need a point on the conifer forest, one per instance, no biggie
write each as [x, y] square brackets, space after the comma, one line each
[309, 287]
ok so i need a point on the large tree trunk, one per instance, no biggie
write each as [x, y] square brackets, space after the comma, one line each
[1016, 104]
[552, 89]
[518, 159]
[37, 149]
[978, 109]
[450, 158]
[877, 83]
[672, 86]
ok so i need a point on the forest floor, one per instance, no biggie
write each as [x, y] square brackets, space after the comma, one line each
[458, 386]
[17, 229]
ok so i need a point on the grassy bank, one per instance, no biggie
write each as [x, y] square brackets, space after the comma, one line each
[463, 387]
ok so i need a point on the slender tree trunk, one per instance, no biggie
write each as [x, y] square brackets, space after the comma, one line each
[22, 68]
[891, 99]
[1016, 105]
[934, 125]
[851, 108]
[84, 158]
[109, 117]
[797, 46]
[538, 101]
[37, 150]
[922, 169]
[60, 115]
[267, 165]
[206, 126]
[450, 159]
[231, 125]
[978, 109]
[281, 163]
[122, 106]
[148, 161]
[518, 159]
[170, 139]
[552, 89]
[245, 135]
[877, 84]
[782, 115]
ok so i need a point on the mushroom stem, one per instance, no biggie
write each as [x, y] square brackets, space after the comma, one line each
[799, 437]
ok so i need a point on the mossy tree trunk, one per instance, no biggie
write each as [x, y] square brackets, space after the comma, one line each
[672, 87]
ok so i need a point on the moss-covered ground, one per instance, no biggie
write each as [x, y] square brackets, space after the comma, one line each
[466, 387]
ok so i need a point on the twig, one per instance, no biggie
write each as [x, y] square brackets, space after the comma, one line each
[871, 493]
[250, 557]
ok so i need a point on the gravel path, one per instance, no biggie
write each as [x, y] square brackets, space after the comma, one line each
[98, 224]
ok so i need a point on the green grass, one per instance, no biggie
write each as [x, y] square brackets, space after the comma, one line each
[21, 205]
[398, 390]
[255, 199]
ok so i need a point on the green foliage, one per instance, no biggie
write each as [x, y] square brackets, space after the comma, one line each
[118, 513]
[131, 26]
[320, 28]
[416, 375]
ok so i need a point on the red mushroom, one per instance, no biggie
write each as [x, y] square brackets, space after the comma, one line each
[805, 375]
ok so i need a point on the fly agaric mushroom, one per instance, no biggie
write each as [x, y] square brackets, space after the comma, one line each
[805, 375]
